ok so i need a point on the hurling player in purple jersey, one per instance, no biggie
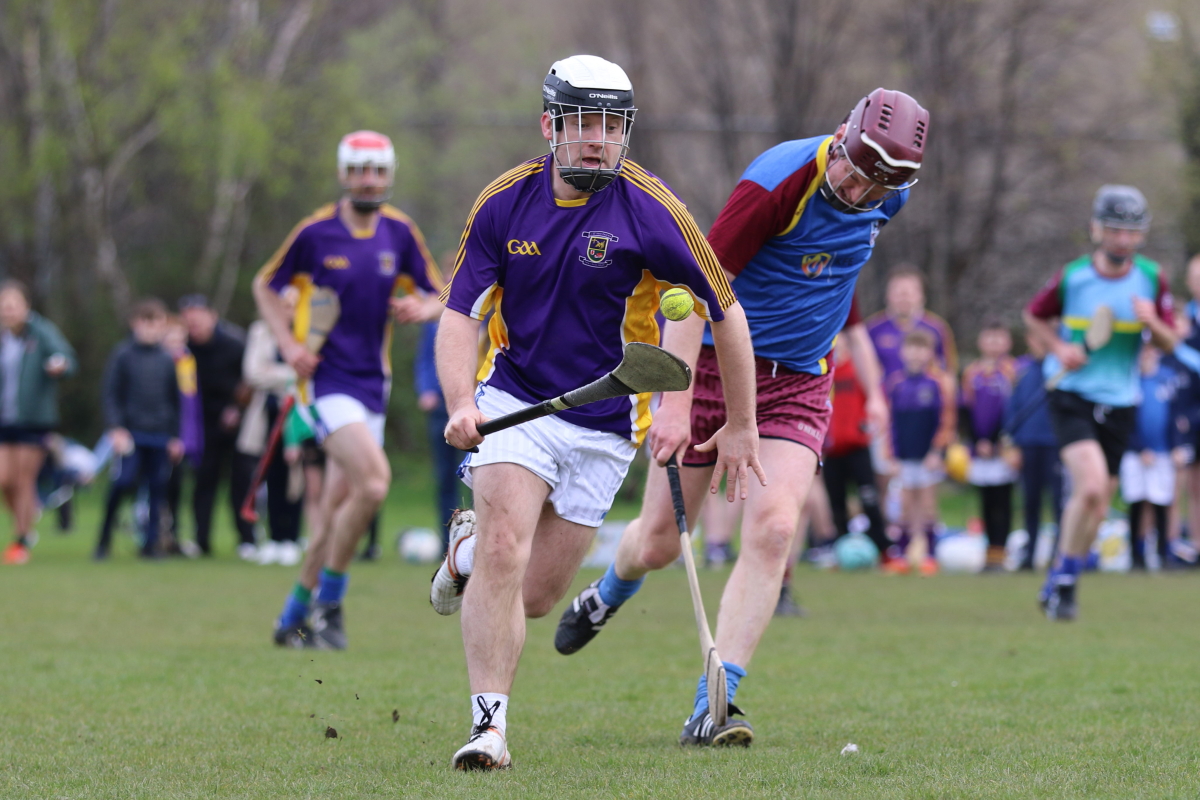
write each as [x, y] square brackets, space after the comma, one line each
[795, 234]
[368, 253]
[568, 252]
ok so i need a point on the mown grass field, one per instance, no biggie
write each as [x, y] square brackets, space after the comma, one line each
[157, 680]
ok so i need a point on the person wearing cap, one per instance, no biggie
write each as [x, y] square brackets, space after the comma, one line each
[570, 250]
[372, 257]
[218, 348]
[1093, 394]
[794, 236]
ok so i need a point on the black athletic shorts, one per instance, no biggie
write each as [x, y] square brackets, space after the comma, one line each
[1075, 420]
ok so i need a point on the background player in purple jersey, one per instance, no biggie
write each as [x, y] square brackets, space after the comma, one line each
[795, 233]
[368, 253]
[569, 252]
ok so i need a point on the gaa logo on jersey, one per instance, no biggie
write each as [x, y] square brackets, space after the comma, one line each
[387, 263]
[336, 262]
[597, 248]
[814, 264]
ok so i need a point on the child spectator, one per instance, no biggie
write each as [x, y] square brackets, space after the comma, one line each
[1027, 422]
[1148, 467]
[923, 420]
[847, 451]
[987, 384]
[141, 409]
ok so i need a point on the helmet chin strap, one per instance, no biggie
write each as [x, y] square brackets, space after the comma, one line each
[366, 205]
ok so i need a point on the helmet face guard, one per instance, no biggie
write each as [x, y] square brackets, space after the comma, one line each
[585, 96]
[883, 144]
[362, 154]
[830, 191]
[571, 143]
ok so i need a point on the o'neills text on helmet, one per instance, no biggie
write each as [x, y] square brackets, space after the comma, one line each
[596, 95]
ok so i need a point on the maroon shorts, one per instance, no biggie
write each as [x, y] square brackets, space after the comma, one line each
[791, 405]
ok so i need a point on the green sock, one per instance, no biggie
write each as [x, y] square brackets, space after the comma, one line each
[302, 593]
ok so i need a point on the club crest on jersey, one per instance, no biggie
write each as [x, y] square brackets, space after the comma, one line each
[814, 264]
[597, 248]
[387, 263]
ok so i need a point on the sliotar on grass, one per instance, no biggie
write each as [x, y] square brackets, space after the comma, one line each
[135, 680]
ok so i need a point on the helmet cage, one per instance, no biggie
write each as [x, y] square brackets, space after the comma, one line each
[830, 191]
[366, 153]
[566, 150]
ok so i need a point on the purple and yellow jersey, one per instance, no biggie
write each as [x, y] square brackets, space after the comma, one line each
[795, 258]
[571, 282]
[984, 393]
[1073, 295]
[888, 335]
[365, 269]
[923, 412]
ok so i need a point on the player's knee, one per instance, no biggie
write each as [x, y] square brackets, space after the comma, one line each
[539, 605]
[770, 538]
[374, 489]
[1093, 493]
[659, 546]
[498, 548]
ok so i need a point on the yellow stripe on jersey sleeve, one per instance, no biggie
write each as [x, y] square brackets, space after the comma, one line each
[268, 270]
[432, 273]
[813, 185]
[697, 244]
[505, 181]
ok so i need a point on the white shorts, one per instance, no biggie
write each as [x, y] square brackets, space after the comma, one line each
[1154, 482]
[334, 411]
[584, 468]
[914, 475]
[990, 472]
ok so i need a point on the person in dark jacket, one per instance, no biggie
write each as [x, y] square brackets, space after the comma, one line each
[141, 411]
[218, 353]
[33, 357]
[1027, 425]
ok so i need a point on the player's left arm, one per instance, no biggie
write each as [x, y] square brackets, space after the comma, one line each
[420, 281]
[869, 372]
[1158, 317]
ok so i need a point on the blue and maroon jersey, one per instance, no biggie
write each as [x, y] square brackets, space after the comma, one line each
[923, 412]
[795, 257]
[984, 395]
[569, 283]
[888, 335]
[365, 269]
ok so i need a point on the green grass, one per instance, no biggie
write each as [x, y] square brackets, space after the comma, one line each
[134, 680]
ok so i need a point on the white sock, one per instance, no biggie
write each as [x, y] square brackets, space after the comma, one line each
[464, 559]
[488, 701]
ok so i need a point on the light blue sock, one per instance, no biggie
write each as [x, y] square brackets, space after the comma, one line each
[332, 586]
[614, 591]
[733, 676]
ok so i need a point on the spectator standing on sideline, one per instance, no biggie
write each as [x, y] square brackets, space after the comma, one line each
[1027, 422]
[1147, 471]
[445, 458]
[141, 411]
[923, 422]
[906, 312]
[264, 369]
[33, 357]
[218, 353]
[191, 428]
[987, 383]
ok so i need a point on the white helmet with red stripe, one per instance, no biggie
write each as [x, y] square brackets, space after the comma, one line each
[367, 168]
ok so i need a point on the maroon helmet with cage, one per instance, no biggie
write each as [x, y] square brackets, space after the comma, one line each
[885, 137]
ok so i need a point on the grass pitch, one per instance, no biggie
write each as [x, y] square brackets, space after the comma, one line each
[136, 680]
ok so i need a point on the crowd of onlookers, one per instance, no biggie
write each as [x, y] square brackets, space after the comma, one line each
[189, 392]
[186, 392]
